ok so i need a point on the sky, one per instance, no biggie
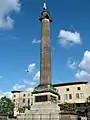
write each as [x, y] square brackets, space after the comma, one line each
[20, 36]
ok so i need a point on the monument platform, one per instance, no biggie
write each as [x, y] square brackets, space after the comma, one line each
[45, 105]
[42, 112]
[45, 97]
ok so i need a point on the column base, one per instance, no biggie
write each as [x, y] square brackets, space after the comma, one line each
[45, 98]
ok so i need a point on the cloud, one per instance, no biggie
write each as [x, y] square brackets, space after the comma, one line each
[29, 82]
[83, 75]
[18, 87]
[68, 37]
[7, 94]
[1, 77]
[29, 89]
[83, 72]
[85, 62]
[37, 76]
[71, 65]
[7, 37]
[31, 68]
[34, 41]
[6, 8]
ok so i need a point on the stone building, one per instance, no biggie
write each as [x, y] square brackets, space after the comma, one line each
[21, 99]
[74, 92]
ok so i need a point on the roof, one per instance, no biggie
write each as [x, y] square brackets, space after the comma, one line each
[60, 85]
[69, 83]
[16, 91]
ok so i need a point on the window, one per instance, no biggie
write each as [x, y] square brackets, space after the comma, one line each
[77, 95]
[28, 101]
[67, 89]
[23, 95]
[66, 96]
[59, 97]
[14, 95]
[80, 95]
[31, 101]
[78, 88]
[70, 96]
[23, 100]
[14, 100]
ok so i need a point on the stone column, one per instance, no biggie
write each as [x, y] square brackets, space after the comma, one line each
[45, 56]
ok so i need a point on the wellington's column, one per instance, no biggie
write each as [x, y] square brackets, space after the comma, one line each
[45, 96]
[45, 53]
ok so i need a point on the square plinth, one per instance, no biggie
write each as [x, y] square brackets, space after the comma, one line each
[45, 98]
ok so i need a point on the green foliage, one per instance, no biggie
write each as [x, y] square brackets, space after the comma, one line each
[6, 106]
[67, 107]
[88, 101]
[21, 110]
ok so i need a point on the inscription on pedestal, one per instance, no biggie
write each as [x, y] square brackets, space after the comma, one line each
[42, 98]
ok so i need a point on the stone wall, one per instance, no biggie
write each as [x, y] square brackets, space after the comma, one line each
[6, 118]
[54, 116]
[3, 117]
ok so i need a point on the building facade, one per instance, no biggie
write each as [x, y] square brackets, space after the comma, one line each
[73, 92]
[21, 99]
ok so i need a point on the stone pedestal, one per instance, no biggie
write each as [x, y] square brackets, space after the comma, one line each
[45, 97]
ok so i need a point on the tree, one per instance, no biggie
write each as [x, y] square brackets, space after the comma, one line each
[88, 100]
[87, 105]
[21, 110]
[67, 107]
[6, 106]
